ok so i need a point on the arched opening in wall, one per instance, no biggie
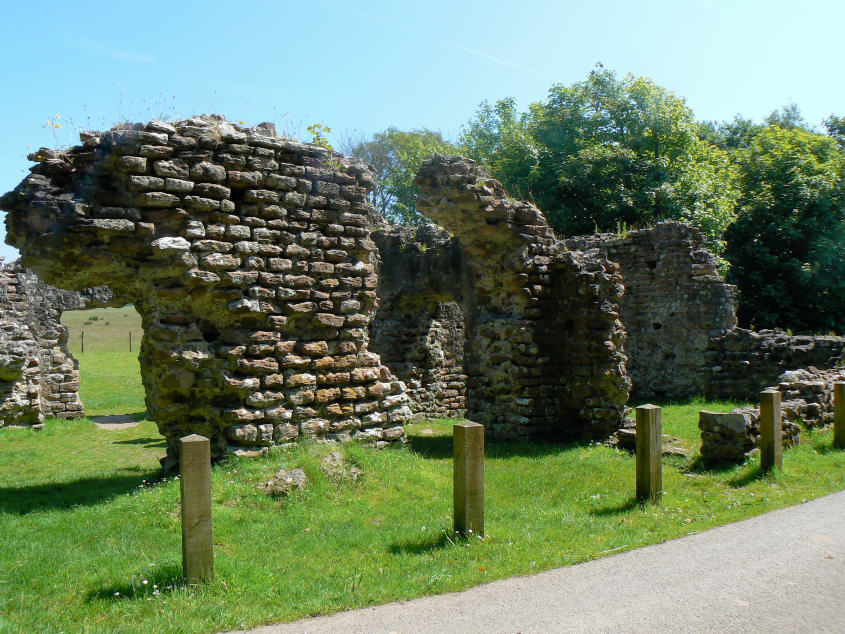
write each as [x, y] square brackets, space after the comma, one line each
[106, 342]
[421, 340]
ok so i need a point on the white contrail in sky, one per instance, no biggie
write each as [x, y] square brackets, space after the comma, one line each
[503, 62]
[455, 45]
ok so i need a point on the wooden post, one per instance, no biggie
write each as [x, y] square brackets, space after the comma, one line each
[468, 438]
[130, 341]
[649, 453]
[839, 414]
[82, 338]
[195, 480]
[771, 431]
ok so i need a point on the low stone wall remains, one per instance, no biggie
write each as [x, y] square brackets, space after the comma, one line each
[741, 362]
[806, 400]
[38, 376]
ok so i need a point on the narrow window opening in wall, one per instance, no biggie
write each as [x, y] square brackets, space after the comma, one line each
[652, 264]
[106, 343]
[657, 325]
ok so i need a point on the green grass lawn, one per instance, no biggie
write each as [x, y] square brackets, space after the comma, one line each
[110, 375]
[90, 533]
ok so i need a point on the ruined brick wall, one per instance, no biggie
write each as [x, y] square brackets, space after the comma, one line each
[680, 317]
[674, 304]
[741, 362]
[20, 357]
[249, 260]
[807, 399]
[419, 327]
[543, 353]
[39, 377]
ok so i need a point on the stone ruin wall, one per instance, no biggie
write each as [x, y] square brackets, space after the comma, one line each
[543, 341]
[250, 261]
[680, 316]
[419, 327]
[806, 399]
[742, 362]
[678, 312]
[38, 376]
[674, 304]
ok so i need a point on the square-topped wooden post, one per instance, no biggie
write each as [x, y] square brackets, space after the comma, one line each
[839, 414]
[195, 481]
[771, 431]
[468, 438]
[649, 453]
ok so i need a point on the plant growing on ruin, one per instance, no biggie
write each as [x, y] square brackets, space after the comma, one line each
[318, 132]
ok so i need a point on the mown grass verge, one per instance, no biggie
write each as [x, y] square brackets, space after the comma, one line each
[90, 533]
[90, 537]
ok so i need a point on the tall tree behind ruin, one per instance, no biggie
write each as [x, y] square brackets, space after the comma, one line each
[606, 153]
[787, 247]
[396, 156]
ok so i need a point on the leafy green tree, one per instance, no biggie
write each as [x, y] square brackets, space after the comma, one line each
[788, 118]
[604, 153]
[835, 127]
[396, 156]
[730, 135]
[499, 138]
[787, 246]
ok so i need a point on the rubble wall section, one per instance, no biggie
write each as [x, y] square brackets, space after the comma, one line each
[40, 378]
[543, 353]
[680, 317]
[249, 259]
[741, 362]
[674, 304]
[419, 327]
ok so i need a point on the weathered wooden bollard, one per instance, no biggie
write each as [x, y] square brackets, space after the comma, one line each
[195, 479]
[839, 414]
[649, 453]
[771, 431]
[468, 438]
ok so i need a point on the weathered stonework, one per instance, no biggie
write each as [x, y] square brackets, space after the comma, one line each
[680, 317]
[733, 436]
[674, 304]
[543, 341]
[741, 362]
[419, 327]
[807, 399]
[38, 376]
[249, 260]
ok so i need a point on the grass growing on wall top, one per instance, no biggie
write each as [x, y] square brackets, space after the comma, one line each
[85, 520]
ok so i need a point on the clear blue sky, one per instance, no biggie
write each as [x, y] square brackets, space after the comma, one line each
[365, 65]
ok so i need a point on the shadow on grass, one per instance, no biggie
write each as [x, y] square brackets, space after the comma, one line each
[160, 580]
[700, 465]
[629, 505]
[147, 442]
[824, 446]
[756, 473]
[440, 447]
[428, 544]
[62, 495]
